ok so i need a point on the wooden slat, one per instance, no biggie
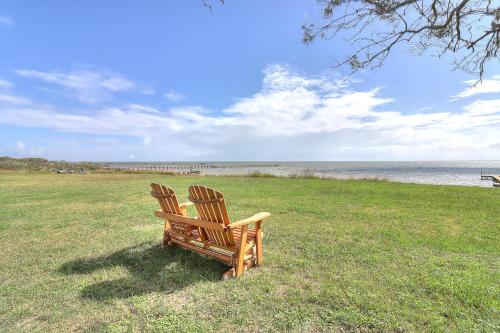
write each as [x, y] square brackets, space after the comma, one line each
[206, 211]
[174, 204]
[191, 221]
[168, 203]
[209, 193]
[206, 234]
[214, 209]
[237, 235]
[203, 194]
[200, 207]
[193, 191]
[253, 219]
[217, 208]
[225, 258]
[156, 189]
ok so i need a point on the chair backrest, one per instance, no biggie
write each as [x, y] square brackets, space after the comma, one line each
[166, 198]
[211, 207]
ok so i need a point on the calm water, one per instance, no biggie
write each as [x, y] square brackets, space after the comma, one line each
[446, 172]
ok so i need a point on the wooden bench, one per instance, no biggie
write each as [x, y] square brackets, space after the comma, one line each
[211, 233]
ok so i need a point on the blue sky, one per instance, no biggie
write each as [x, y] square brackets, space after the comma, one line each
[169, 80]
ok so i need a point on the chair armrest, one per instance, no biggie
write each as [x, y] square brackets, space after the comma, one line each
[253, 219]
[185, 204]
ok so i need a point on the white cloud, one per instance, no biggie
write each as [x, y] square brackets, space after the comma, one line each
[142, 108]
[22, 150]
[20, 145]
[174, 96]
[484, 107]
[89, 86]
[5, 85]
[293, 116]
[6, 21]
[13, 99]
[487, 86]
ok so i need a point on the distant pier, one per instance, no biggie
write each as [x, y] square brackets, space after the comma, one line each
[186, 166]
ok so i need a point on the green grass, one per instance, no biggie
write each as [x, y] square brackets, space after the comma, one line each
[80, 253]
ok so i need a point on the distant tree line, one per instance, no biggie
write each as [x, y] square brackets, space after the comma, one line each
[41, 164]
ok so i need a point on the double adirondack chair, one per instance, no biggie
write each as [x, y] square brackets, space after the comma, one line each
[211, 233]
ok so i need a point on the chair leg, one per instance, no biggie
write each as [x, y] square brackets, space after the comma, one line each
[231, 273]
[258, 243]
[228, 274]
[166, 235]
[241, 255]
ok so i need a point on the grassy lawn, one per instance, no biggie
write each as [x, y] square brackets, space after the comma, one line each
[80, 253]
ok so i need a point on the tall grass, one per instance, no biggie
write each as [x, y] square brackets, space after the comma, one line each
[259, 174]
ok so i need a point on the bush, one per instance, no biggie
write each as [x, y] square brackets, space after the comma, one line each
[259, 174]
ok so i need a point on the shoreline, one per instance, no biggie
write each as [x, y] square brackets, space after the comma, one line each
[255, 174]
[457, 173]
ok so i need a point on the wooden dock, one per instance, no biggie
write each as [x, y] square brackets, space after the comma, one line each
[495, 179]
